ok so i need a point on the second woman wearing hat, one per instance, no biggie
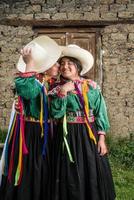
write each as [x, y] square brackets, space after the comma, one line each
[80, 167]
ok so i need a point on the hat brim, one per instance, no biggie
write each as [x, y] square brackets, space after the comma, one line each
[45, 52]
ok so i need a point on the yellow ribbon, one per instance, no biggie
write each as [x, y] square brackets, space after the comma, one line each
[85, 89]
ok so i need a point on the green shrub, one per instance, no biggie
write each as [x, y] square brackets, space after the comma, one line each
[3, 133]
[122, 151]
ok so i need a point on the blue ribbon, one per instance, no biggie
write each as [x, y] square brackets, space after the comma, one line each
[45, 119]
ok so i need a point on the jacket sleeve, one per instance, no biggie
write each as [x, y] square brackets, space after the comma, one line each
[99, 110]
[28, 88]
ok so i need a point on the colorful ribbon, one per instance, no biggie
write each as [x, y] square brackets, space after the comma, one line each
[65, 139]
[4, 157]
[84, 102]
[45, 119]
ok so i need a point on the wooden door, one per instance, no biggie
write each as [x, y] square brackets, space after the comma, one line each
[85, 38]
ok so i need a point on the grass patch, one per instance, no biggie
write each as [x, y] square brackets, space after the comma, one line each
[124, 181]
[121, 156]
[122, 151]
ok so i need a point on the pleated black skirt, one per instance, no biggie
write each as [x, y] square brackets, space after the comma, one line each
[89, 177]
[34, 184]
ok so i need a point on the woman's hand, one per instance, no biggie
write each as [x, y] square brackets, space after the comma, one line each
[67, 87]
[102, 148]
[28, 59]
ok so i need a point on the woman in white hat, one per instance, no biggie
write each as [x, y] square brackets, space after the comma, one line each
[80, 167]
[25, 174]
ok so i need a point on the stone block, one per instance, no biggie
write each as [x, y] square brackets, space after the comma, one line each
[22, 32]
[106, 1]
[42, 16]
[126, 15]
[58, 2]
[26, 17]
[37, 1]
[11, 16]
[59, 16]
[3, 58]
[64, 9]
[108, 15]
[131, 37]
[51, 3]
[50, 10]
[130, 7]
[75, 16]
[121, 69]
[117, 8]
[87, 8]
[122, 1]
[28, 10]
[8, 50]
[114, 61]
[103, 8]
[36, 8]
[119, 36]
[91, 16]
[21, 4]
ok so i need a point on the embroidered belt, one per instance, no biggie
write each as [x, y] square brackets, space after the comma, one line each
[31, 119]
[78, 117]
[72, 117]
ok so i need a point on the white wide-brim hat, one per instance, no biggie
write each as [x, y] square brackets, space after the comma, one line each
[85, 57]
[45, 52]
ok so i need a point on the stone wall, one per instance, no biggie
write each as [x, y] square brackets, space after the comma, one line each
[117, 39]
[118, 85]
[68, 9]
[11, 41]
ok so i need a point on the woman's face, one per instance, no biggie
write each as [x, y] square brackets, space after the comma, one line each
[68, 69]
[53, 71]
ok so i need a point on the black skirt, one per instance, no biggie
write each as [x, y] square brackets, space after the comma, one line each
[34, 184]
[89, 177]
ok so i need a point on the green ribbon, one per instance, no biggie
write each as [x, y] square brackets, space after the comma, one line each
[65, 139]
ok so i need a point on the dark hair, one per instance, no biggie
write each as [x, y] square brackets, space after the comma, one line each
[74, 60]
